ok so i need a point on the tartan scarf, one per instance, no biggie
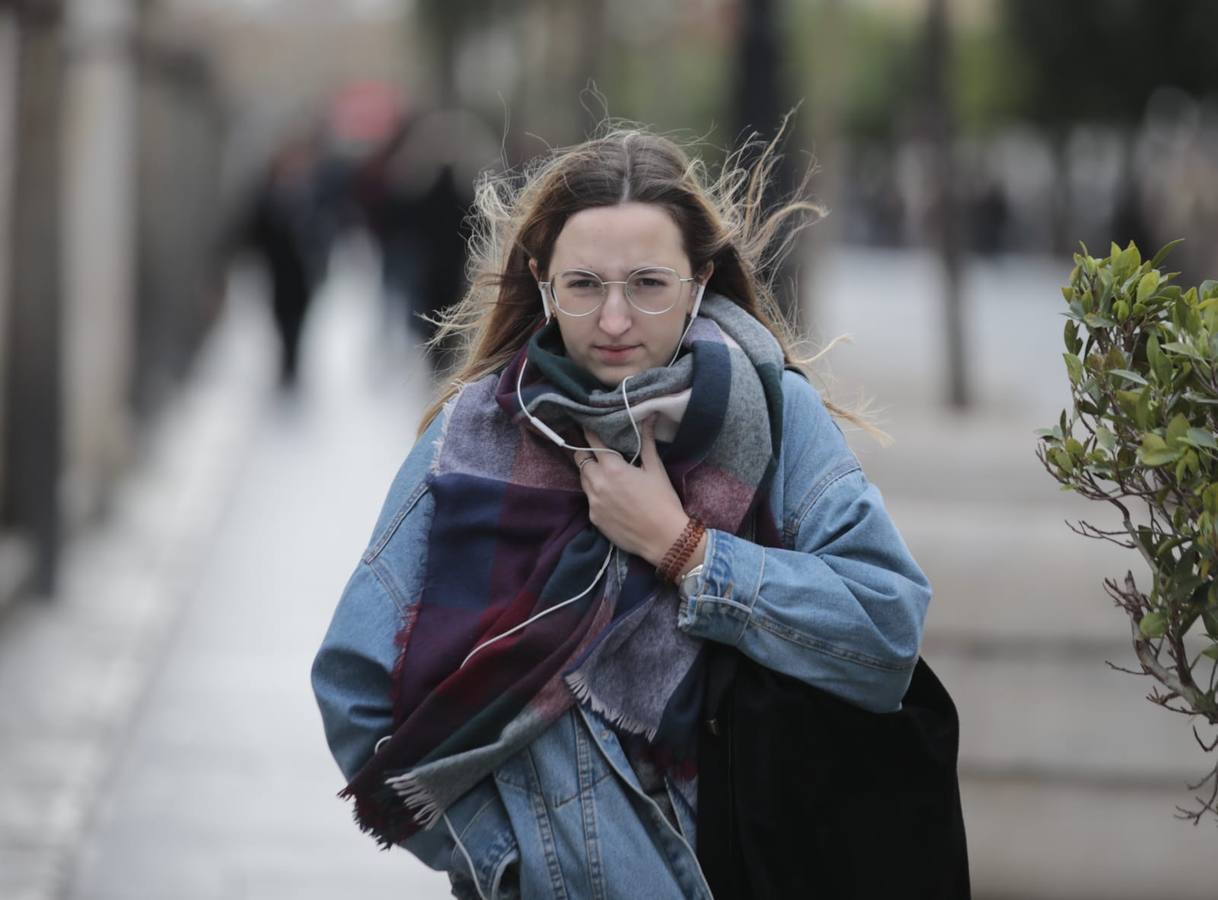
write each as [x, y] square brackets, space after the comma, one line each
[510, 537]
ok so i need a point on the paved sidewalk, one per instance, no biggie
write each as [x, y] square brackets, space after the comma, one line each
[72, 669]
[224, 788]
[158, 738]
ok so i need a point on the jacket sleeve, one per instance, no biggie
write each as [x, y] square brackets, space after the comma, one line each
[842, 604]
[352, 672]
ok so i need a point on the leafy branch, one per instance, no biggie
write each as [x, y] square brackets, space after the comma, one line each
[1142, 360]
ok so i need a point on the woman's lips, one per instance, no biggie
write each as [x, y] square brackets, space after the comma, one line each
[613, 354]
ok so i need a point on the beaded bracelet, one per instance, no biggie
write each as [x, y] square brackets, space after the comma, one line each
[681, 550]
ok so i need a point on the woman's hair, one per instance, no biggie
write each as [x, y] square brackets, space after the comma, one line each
[518, 217]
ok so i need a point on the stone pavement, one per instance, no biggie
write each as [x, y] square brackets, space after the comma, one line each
[157, 734]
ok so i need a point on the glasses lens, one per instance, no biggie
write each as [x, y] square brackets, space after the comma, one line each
[654, 290]
[578, 293]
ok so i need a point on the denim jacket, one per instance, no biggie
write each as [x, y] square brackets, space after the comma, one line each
[839, 606]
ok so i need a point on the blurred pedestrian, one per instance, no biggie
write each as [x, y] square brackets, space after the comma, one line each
[280, 230]
[416, 192]
[626, 497]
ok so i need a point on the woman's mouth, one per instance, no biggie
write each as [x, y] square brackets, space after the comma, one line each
[614, 353]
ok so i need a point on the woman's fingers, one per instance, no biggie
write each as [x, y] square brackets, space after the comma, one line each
[605, 455]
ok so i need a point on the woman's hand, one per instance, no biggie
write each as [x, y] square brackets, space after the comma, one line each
[635, 507]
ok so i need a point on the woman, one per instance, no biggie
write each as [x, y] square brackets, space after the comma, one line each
[623, 474]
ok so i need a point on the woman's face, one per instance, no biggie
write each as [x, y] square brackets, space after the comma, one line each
[613, 241]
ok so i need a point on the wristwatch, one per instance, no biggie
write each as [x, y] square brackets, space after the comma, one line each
[690, 583]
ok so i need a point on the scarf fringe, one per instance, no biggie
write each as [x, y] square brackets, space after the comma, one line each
[417, 797]
[583, 693]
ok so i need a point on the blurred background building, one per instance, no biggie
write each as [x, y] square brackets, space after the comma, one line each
[224, 208]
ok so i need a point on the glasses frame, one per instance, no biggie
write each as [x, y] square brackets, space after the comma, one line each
[548, 287]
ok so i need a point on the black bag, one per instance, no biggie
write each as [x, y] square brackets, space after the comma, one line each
[801, 794]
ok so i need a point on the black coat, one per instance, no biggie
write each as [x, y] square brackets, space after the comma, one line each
[801, 794]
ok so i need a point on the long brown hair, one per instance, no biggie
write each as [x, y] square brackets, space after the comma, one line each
[518, 217]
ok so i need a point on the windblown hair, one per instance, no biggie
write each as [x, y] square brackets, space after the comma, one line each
[724, 220]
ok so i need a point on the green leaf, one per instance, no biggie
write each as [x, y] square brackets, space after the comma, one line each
[1176, 429]
[1159, 363]
[1105, 438]
[1210, 618]
[1208, 288]
[1183, 465]
[1153, 625]
[1155, 458]
[1211, 651]
[1155, 452]
[1141, 413]
[1199, 437]
[1153, 353]
[1181, 348]
[1128, 401]
[1074, 367]
[1147, 285]
[1164, 250]
[1132, 376]
[1073, 344]
[1209, 499]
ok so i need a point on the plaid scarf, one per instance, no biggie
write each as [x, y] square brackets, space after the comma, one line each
[510, 537]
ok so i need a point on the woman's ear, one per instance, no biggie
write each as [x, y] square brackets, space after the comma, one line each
[534, 270]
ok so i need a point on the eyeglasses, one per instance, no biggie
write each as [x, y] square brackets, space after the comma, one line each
[652, 291]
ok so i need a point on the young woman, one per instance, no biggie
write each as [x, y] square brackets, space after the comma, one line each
[627, 471]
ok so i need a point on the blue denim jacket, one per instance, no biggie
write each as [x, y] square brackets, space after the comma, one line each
[840, 607]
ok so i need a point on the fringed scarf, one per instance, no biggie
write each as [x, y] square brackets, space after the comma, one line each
[510, 538]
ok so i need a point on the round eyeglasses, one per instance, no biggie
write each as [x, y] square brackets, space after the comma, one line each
[652, 291]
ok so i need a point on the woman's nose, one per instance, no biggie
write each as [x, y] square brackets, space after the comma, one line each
[615, 311]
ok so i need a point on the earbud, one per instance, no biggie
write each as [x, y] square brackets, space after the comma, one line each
[693, 313]
[545, 306]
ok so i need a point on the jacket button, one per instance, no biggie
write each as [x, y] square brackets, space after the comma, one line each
[712, 725]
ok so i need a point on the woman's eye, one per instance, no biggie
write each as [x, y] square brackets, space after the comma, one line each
[583, 284]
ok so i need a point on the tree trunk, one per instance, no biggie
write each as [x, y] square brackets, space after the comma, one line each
[946, 216]
[761, 102]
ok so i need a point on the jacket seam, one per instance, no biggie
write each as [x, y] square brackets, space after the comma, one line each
[834, 475]
[391, 529]
[828, 649]
[744, 626]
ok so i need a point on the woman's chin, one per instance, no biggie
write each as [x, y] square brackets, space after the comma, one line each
[612, 376]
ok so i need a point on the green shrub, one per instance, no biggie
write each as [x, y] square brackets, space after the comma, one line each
[1142, 359]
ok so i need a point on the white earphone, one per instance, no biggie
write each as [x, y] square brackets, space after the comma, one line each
[557, 439]
[545, 306]
[693, 313]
